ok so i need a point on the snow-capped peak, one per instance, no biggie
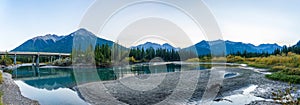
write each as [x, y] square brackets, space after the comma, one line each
[47, 37]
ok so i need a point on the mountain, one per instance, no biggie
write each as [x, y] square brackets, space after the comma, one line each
[64, 44]
[204, 47]
[298, 44]
[155, 46]
[59, 44]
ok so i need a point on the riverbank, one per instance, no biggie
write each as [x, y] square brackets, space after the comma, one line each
[95, 93]
[21, 65]
[12, 94]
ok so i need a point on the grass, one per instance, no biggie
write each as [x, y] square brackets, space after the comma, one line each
[1, 78]
[281, 76]
[285, 67]
[1, 95]
[277, 68]
[257, 65]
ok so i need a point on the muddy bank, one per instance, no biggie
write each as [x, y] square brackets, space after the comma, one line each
[12, 94]
[155, 89]
[115, 92]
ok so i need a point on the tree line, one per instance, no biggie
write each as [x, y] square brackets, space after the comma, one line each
[284, 50]
[148, 54]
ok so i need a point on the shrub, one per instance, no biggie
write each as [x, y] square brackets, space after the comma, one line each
[5, 61]
[257, 65]
[284, 77]
[277, 68]
[232, 59]
[292, 71]
[62, 62]
[1, 78]
[218, 59]
[130, 59]
[193, 60]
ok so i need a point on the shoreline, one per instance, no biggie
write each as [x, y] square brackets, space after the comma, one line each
[12, 94]
[246, 77]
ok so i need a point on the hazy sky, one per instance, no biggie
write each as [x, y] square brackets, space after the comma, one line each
[249, 21]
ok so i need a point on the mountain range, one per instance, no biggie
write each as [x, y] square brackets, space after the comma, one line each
[155, 46]
[298, 44]
[63, 44]
[54, 43]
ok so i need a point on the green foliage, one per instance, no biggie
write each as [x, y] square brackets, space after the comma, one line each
[102, 55]
[277, 68]
[1, 96]
[5, 60]
[1, 77]
[232, 59]
[257, 65]
[284, 64]
[294, 49]
[246, 54]
[131, 59]
[281, 76]
[291, 71]
[148, 54]
[62, 62]
[193, 60]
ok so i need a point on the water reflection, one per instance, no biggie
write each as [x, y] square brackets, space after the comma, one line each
[54, 78]
[42, 84]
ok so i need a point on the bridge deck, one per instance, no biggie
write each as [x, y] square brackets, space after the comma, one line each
[36, 53]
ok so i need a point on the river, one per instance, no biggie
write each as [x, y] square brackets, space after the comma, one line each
[52, 85]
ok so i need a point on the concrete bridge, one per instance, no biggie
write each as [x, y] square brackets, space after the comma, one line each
[35, 55]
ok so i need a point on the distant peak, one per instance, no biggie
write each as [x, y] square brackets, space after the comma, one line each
[298, 44]
[83, 31]
[153, 45]
[149, 43]
[52, 37]
[275, 44]
[166, 44]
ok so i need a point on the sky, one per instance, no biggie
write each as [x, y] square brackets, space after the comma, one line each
[248, 21]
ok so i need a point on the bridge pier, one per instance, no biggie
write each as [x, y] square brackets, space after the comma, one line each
[51, 59]
[59, 57]
[15, 59]
[33, 60]
[37, 60]
[35, 56]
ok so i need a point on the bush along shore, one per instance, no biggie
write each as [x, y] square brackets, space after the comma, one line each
[284, 66]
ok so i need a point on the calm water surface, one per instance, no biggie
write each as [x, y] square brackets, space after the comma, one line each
[54, 86]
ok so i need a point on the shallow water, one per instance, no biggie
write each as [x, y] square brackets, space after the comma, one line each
[60, 96]
[231, 75]
[240, 99]
[53, 86]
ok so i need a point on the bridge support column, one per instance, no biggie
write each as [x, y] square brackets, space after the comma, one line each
[37, 60]
[59, 57]
[15, 59]
[33, 60]
[51, 59]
